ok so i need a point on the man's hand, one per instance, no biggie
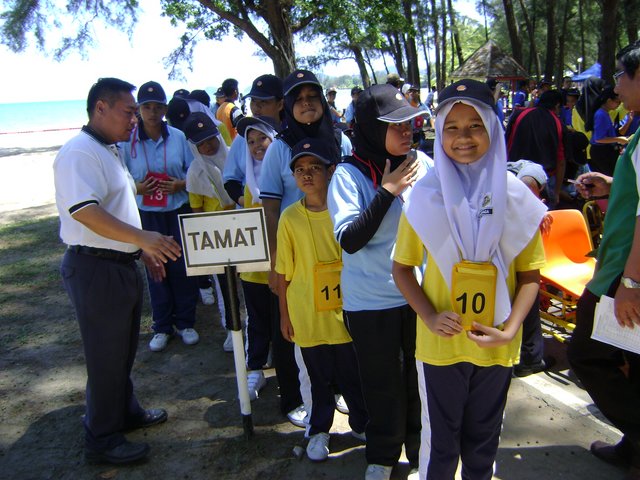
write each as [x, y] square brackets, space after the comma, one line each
[593, 184]
[156, 269]
[627, 306]
[161, 248]
[286, 328]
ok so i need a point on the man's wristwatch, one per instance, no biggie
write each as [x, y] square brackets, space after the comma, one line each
[629, 282]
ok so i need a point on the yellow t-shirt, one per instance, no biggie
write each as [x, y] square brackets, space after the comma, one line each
[436, 350]
[254, 277]
[226, 136]
[302, 233]
[208, 204]
[224, 115]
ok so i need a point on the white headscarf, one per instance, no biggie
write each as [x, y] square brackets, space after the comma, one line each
[204, 176]
[476, 211]
[253, 166]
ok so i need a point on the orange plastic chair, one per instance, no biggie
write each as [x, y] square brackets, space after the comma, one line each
[567, 271]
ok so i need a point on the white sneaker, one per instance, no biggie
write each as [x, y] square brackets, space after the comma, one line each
[189, 336]
[227, 346]
[377, 472]
[341, 405]
[318, 447]
[159, 342]
[362, 436]
[414, 474]
[206, 295]
[256, 382]
[298, 416]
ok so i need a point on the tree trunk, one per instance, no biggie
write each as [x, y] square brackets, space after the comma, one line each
[411, 52]
[423, 42]
[551, 40]
[631, 19]
[568, 5]
[583, 53]
[533, 56]
[514, 34]
[357, 52]
[396, 52]
[443, 63]
[607, 45]
[373, 72]
[456, 34]
[436, 42]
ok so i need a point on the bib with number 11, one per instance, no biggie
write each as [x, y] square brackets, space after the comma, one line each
[326, 280]
[473, 292]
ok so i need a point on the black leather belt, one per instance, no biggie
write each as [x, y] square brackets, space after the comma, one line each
[115, 255]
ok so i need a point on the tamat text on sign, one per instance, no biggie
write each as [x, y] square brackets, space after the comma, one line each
[214, 240]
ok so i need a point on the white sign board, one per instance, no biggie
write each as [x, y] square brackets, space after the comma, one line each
[214, 240]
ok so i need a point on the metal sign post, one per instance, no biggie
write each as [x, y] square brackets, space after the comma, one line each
[228, 242]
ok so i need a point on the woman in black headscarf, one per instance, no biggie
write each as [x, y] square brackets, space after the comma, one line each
[365, 201]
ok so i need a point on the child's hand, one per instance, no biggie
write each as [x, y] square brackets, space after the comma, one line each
[286, 328]
[404, 175]
[487, 337]
[445, 324]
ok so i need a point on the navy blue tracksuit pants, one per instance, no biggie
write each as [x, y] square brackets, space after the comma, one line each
[462, 410]
[174, 299]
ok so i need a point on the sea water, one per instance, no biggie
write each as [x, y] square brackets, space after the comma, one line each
[39, 116]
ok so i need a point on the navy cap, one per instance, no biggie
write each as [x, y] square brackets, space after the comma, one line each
[151, 92]
[355, 90]
[574, 92]
[199, 127]
[407, 87]
[182, 92]
[299, 77]
[246, 122]
[266, 87]
[177, 112]
[311, 146]
[469, 90]
[201, 96]
[387, 104]
[220, 93]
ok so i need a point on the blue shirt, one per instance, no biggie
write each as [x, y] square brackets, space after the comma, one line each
[235, 165]
[519, 98]
[566, 115]
[366, 280]
[602, 126]
[141, 156]
[276, 179]
[350, 113]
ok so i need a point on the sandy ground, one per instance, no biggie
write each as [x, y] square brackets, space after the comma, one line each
[548, 427]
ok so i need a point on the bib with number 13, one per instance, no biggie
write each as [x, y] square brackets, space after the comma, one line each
[473, 292]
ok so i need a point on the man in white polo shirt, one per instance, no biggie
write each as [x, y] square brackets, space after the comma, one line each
[99, 221]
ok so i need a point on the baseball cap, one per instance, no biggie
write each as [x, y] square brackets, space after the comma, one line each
[311, 146]
[297, 78]
[266, 87]
[394, 78]
[199, 127]
[220, 93]
[574, 92]
[332, 90]
[469, 90]
[151, 92]
[181, 92]
[355, 90]
[408, 87]
[201, 96]
[246, 122]
[387, 104]
[177, 112]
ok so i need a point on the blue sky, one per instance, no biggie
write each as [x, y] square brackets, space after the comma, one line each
[32, 77]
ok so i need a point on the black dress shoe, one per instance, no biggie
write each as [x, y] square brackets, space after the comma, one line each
[526, 369]
[153, 416]
[126, 452]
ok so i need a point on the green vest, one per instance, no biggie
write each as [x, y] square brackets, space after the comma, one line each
[619, 223]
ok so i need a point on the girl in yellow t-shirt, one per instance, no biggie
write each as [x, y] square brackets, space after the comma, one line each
[479, 226]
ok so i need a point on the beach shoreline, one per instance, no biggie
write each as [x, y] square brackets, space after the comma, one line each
[26, 160]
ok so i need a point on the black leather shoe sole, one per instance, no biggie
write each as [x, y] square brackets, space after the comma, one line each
[618, 455]
[151, 417]
[124, 453]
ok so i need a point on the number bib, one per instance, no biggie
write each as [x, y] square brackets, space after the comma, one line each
[156, 198]
[327, 293]
[473, 292]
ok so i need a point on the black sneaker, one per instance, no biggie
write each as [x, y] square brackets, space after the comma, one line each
[126, 452]
[526, 369]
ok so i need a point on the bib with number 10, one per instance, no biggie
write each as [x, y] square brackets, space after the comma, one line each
[326, 282]
[473, 292]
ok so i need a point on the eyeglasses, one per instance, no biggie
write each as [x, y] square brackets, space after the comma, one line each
[617, 75]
